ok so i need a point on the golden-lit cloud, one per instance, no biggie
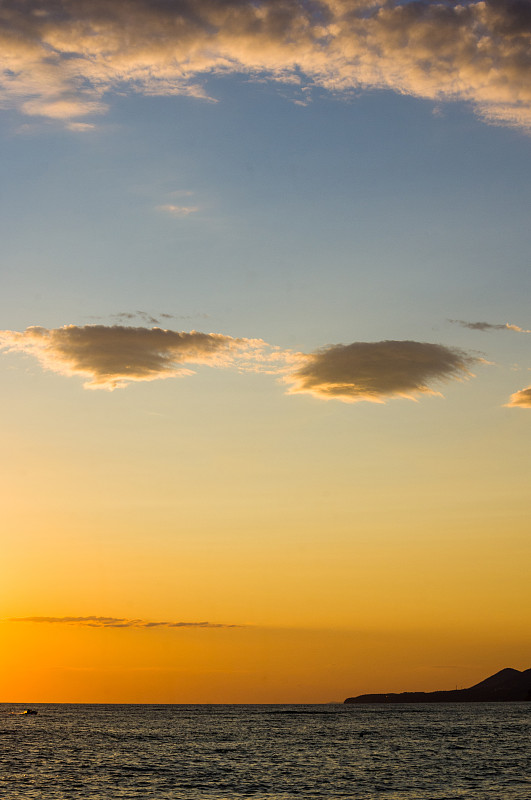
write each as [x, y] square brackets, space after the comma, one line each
[112, 356]
[376, 371]
[521, 399]
[63, 58]
[118, 622]
[489, 326]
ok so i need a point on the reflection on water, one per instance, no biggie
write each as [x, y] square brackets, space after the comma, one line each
[407, 752]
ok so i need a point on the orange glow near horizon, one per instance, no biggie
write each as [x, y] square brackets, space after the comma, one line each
[337, 592]
[60, 663]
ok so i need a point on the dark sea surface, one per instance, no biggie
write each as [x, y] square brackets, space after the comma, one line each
[399, 752]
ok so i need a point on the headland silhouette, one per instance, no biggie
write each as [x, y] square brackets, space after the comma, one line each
[507, 685]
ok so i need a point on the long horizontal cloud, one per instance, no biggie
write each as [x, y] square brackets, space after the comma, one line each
[62, 58]
[112, 356]
[489, 326]
[118, 622]
[375, 371]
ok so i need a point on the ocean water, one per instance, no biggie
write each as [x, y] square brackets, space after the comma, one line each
[398, 752]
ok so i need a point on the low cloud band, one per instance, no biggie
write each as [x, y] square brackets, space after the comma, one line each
[111, 357]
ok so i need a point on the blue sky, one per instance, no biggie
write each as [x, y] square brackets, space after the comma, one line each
[312, 220]
[363, 217]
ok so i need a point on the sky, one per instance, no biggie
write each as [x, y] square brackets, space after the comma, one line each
[265, 368]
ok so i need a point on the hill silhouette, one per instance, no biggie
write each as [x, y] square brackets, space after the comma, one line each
[504, 686]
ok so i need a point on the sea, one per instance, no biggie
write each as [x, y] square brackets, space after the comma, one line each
[470, 751]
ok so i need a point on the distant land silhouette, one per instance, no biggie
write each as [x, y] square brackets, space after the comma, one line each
[506, 685]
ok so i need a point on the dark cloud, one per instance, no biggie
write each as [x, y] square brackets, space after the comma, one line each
[147, 318]
[113, 356]
[128, 316]
[488, 326]
[375, 371]
[62, 57]
[110, 357]
[118, 622]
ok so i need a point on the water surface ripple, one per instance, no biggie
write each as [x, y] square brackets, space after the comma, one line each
[401, 752]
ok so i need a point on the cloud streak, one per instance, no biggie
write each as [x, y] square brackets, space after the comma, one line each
[376, 371]
[489, 326]
[118, 622]
[111, 357]
[63, 58]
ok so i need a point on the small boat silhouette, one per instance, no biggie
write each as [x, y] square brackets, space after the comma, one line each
[29, 711]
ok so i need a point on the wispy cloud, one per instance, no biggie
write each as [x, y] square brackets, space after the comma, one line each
[376, 371]
[110, 357]
[128, 316]
[152, 319]
[118, 622]
[80, 126]
[489, 326]
[178, 211]
[60, 58]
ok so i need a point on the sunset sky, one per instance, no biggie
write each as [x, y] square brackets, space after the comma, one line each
[265, 348]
